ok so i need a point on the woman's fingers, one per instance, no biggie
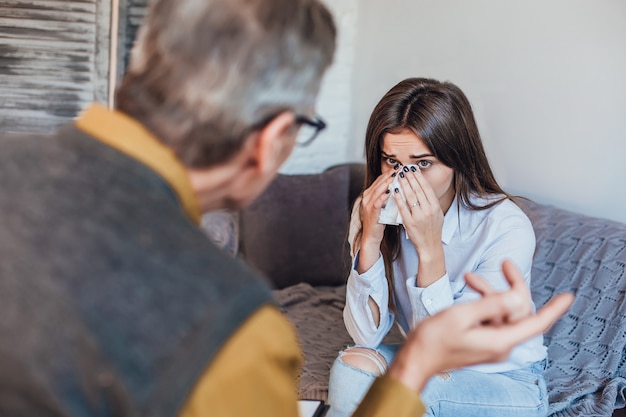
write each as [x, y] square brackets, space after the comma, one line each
[420, 193]
[419, 196]
[381, 201]
[402, 207]
[422, 187]
[376, 193]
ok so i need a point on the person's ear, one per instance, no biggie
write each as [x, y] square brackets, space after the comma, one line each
[275, 142]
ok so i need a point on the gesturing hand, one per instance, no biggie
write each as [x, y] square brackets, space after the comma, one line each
[482, 331]
[518, 301]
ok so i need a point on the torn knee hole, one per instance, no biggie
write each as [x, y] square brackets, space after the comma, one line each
[365, 359]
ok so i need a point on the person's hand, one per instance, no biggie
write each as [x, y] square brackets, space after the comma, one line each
[482, 331]
[422, 215]
[422, 218]
[519, 301]
[373, 200]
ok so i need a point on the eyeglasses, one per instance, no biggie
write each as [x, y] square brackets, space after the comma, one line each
[309, 129]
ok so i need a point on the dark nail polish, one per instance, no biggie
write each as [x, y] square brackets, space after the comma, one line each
[394, 174]
[413, 169]
[406, 169]
[396, 190]
[388, 191]
[396, 166]
[401, 174]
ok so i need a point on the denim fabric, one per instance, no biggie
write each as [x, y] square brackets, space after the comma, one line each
[464, 392]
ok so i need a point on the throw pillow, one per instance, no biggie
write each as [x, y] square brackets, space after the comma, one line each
[296, 230]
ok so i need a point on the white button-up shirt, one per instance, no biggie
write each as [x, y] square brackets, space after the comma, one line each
[473, 240]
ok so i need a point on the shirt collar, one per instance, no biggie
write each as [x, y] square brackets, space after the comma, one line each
[131, 138]
[450, 222]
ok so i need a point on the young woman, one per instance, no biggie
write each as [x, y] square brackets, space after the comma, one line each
[455, 219]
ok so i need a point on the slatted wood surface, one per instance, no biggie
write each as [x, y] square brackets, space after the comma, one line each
[131, 16]
[54, 58]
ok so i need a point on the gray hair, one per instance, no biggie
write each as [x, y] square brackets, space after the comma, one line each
[205, 73]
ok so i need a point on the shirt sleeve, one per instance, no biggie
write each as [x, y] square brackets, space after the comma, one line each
[427, 301]
[511, 238]
[254, 374]
[357, 313]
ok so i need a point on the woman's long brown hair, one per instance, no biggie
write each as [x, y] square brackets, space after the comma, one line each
[441, 116]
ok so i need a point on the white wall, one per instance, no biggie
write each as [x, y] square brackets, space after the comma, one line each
[547, 79]
[335, 100]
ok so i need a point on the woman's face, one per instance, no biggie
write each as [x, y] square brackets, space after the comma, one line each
[407, 148]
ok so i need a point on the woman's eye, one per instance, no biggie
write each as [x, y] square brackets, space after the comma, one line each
[424, 164]
[391, 161]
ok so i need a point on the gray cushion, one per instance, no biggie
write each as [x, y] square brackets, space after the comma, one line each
[296, 230]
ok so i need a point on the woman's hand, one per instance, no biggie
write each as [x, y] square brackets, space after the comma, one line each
[422, 218]
[374, 198]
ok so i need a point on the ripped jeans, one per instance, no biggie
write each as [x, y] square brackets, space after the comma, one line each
[463, 392]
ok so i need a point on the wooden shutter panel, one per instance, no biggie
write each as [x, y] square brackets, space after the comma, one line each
[54, 57]
[132, 13]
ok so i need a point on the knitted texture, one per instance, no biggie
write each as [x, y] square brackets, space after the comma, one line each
[586, 372]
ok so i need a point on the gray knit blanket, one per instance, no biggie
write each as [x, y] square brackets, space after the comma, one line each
[586, 372]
